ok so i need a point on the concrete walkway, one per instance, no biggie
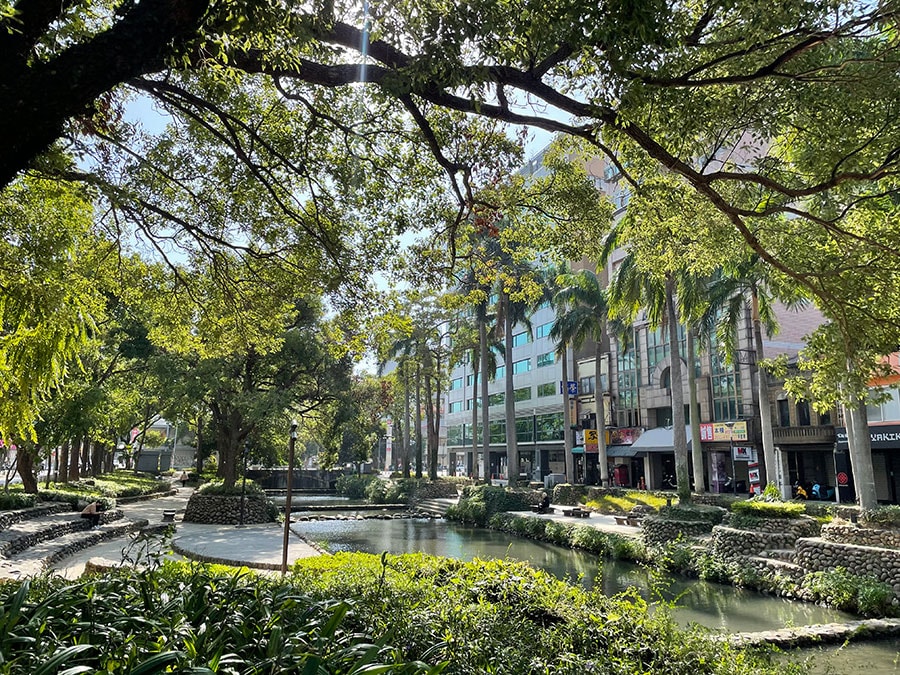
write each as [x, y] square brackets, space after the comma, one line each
[258, 546]
[599, 521]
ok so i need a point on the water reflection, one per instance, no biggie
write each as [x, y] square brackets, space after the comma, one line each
[715, 606]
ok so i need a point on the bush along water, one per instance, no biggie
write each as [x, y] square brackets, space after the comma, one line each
[478, 503]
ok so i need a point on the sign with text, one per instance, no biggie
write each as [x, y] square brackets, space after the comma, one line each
[591, 440]
[742, 453]
[622, 436]
[571, 387]
[712, 432]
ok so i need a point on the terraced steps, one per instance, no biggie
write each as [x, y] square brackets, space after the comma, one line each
[437, 506]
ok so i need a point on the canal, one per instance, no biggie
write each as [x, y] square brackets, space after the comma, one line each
[716, 606]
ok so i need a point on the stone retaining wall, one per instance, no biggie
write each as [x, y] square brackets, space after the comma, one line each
[819, 555]
[660, 530]
[9, 518]
[804, 526]
[436, 489]
[95, 538]
[30, 539]
[729, 542]
[848, 533]
[225, 510]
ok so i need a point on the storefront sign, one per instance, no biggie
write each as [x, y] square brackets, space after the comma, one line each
[742, 453]
[621, 436]
[723, 431]
[591, 441]
[883, 437]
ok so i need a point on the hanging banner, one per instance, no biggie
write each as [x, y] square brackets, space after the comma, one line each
[591, 441]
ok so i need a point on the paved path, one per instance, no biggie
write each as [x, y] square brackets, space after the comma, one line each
[255, 545]
[599, 521]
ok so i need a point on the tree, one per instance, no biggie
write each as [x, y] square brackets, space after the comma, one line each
[585, 316]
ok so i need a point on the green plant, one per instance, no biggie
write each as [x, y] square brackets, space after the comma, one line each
[354, 486]
[845, 590]
[883, 517]
[764, 509]
[693, 512]
[218, 488]
[16, 500]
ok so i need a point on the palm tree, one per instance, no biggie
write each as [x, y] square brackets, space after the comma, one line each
[733, 289]
[585, 317]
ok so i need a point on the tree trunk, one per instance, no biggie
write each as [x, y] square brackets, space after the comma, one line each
[25, 466]
[567, 432]
[199, 457]
[97, 459]
[602, 459]
[762, 393]
[679, 436]
[435, 428]
[861, 453]
[512, 444]
[418, 420]
[406, 415]
[473, 465]
[696, 447]
[74, 459]
[62, 463]
[485, 417]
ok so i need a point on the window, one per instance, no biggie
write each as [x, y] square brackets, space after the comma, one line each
[520, 339]
[586, 385]
[497, 430]
[825, 418]
[456, 383]
[887, 411]
[543, 330]
[499, 374]
[628, 366]
[784, 412]
[455, 407]
[497, 399]
[546, 389]
[525, 429]
[549, 427]
[471, 379]
[522, 366]
[469, 403]
[803, 413]
[728, 404]
[523, 394]
[545, 360]
[455, 435]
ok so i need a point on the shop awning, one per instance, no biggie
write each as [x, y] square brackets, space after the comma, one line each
[660, 439]
[578, 449]
[621, 451]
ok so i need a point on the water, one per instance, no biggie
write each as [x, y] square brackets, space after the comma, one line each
[715, 606]
[881, 657]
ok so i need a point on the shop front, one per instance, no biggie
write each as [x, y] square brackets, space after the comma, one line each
[885, 439]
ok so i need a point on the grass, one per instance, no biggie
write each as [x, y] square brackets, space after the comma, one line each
[623, 504]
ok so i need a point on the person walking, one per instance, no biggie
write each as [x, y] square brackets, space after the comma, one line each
[183, 478]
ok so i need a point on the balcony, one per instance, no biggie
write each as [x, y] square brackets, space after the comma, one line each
[805, 435]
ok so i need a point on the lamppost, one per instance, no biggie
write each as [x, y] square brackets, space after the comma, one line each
[244, 481]
[287, 498]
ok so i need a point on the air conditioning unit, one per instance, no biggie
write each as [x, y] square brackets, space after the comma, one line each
[553, 479]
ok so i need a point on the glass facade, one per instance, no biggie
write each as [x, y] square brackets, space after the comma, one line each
[497, 399]
[523, 394]
[522, 366]
[550, 427]
[628, 365]
[546, 389]
[520, 339]
[455, 407]
[726, 389]
[543, 330]
[547, 359]
[456, 383]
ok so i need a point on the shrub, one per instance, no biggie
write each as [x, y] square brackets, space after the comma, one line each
[479, 502]
[844, 590]
[17, 500]
[764, 509]
[354, 486]
[218, 488]
[693, 513]
[882, 517]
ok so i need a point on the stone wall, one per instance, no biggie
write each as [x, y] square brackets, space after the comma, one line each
[729, 542]
[792, 527]
[225, 510]
[437, 489]
[661, 530]
[26, 540]
[818, 555]
[8, 518]
[847, 533]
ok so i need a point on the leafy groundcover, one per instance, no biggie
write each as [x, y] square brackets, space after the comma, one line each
[348, 613]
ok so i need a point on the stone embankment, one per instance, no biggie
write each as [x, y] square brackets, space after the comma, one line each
[661, 530]
[405, 515]
[768, 534]
[226, 510]
[828, 633]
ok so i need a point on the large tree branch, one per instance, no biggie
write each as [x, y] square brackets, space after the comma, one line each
[36, 101]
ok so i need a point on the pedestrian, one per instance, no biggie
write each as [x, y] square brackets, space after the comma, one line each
[183, 478]
[92, 512]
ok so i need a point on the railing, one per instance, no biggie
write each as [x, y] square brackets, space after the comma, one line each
[809, 435]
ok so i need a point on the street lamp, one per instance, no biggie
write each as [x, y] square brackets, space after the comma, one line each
[244, 481]
[287, 498]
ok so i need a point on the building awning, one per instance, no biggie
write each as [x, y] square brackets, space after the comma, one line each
[660, 439]
[578, 449]
[621, 451]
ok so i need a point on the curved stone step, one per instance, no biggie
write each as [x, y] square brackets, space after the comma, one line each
[9, 518]
[37, 558]
[783, 554]
[27, 533]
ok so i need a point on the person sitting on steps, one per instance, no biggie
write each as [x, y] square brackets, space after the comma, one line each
[545, 503]
[92, 512]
